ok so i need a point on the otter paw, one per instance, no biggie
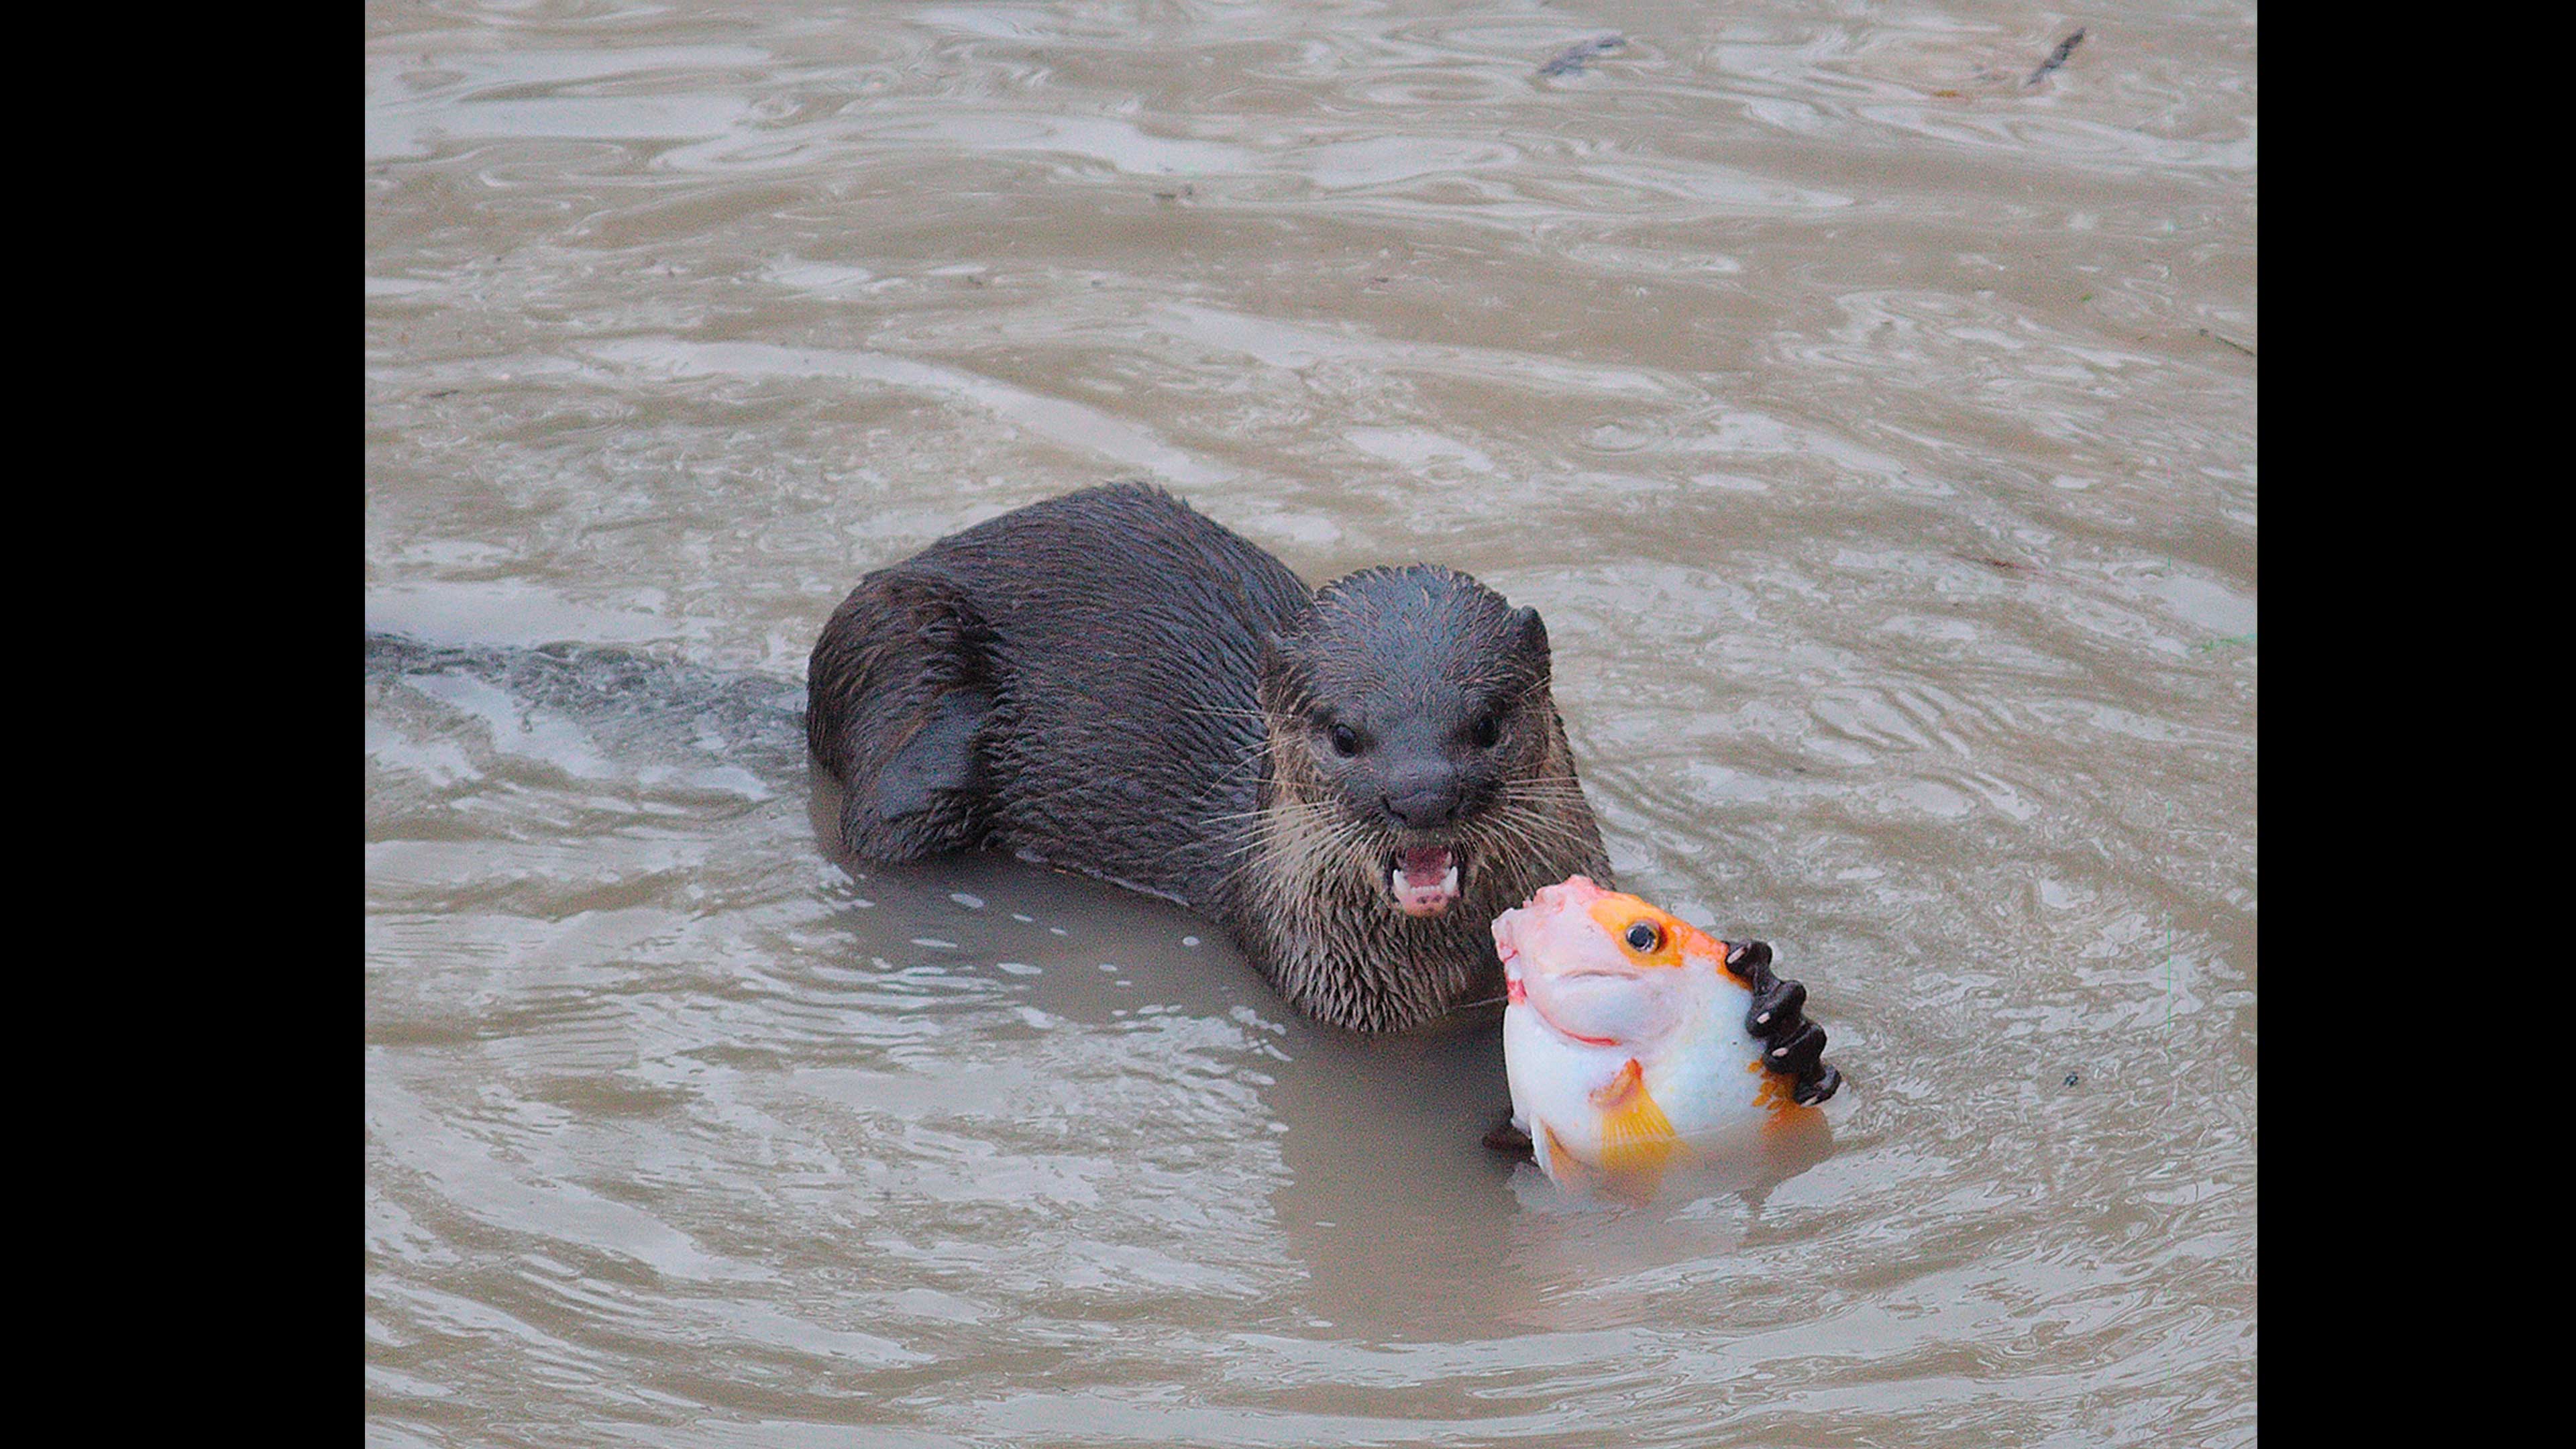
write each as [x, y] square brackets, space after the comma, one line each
[1800, 1053]
[1793, 1045]
[1777, 1009]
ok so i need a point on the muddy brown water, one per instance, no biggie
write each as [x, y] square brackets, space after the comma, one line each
[1874, 429]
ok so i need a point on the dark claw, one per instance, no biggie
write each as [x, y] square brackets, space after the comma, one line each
[1801, 1055]
[1793, 1045]
[1777, 1009]
[1751, 963]
[1512, 1141]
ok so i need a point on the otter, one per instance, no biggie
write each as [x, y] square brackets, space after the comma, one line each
[1354, 781]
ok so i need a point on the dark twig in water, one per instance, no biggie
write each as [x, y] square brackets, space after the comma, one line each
[2230, 341]
[2056, 58]
[1576, 54]
[2007, 565]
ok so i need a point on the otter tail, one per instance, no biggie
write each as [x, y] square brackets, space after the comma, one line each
[655, 707]
[898, 693]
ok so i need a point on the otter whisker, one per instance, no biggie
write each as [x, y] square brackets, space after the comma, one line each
[1243, 770]
[1533, 840]
[1556, 789]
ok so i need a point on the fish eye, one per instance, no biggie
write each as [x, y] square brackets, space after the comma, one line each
[1645, 936]
[1346, 741]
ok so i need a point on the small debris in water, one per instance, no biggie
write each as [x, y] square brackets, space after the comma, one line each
[2056, 58]
[2070, 1076]
[2012, 566]
[1572, 59]
[2230, 341]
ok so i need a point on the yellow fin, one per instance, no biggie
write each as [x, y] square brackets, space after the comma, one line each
[1635, 1133]
[1562, 1164]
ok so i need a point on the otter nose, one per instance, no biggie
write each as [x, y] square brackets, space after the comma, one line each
[1423, 798]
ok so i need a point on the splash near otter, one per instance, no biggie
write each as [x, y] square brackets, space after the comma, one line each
[1352, 780]
[1635, 1041]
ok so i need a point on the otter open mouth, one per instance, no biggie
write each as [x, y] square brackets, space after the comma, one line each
[1424, 879]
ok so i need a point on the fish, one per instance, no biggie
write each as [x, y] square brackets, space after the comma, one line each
[1630, 1040]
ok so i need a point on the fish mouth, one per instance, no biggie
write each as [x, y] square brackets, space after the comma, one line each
[1423, 879]
[1569, 1033]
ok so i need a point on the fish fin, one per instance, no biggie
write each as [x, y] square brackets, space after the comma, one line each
[1615, 1094]
[1560, 1161]
[1635, 1133]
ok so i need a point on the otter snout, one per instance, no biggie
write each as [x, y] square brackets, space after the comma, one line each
[1421, 796]
[1424, 796]
[1427, 809]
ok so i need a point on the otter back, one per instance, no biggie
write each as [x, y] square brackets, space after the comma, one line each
[1074, 680]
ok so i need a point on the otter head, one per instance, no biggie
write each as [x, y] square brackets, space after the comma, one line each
[1405, 707]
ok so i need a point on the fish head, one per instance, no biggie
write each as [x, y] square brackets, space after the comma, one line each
[1602, 969]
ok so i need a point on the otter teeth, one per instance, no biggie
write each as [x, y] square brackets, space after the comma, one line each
[1424, 880]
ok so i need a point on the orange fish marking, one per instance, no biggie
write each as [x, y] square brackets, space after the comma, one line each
[1777, 1093]
[1675, 939]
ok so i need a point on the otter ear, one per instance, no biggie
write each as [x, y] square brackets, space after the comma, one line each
[1530, 637]
[1280, 667]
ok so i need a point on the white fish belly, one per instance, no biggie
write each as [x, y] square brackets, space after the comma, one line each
[1711, 1090]
[1708, 1085]
[1552, 1082]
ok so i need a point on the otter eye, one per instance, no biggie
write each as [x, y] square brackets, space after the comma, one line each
[1644, 936]
[1488, 729]
[1346, 741]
